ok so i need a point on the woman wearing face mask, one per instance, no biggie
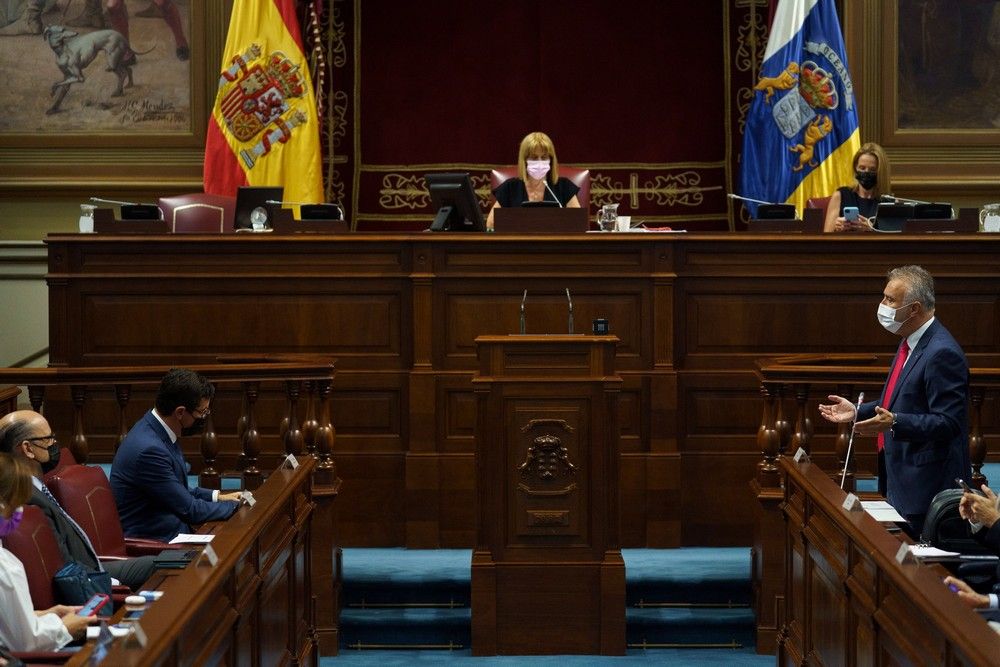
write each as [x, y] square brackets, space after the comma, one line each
[872, 176]
[539, 178]
[22, 628]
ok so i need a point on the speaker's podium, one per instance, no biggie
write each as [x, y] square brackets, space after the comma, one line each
[547, 571]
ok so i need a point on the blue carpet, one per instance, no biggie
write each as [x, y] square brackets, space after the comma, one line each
[395, 597]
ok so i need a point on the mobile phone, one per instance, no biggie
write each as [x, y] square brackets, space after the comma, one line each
[93, 605]
[851, 213]
[966, 487]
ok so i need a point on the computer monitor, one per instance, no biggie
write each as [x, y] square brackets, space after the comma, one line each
[251, 206]
[776, 212]
[890, 217]
[455, 201]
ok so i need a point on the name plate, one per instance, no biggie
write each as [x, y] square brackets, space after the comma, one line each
[852, 503]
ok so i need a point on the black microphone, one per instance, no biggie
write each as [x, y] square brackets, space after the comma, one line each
[850, 440]
[546, 182]
[895, 200]
[742, 198]
[570, 300]
[523, 299]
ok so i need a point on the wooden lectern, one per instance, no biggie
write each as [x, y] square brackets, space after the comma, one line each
[547, 572]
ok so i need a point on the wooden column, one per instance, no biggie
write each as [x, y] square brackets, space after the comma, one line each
[547, 572]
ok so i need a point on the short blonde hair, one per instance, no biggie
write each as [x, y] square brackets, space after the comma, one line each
[15, 483]
[530, 144]
[884, 181]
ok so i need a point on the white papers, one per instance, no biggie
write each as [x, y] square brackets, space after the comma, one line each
[925, 551]
[882, 511]
[189, 538]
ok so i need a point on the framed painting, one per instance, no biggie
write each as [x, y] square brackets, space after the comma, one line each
[927, 74]
[109, 93]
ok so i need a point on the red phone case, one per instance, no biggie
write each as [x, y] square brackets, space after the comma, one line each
[94, 604]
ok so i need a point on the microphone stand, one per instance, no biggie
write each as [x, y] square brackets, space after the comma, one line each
[570, 300]
[523, 299]
[850, 440]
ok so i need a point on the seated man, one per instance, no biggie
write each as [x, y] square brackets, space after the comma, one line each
[149, 473]
[27, 435]
[983, 512]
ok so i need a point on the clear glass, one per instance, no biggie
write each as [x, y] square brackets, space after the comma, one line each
[87, 218]
[607, 217]
[989, 218]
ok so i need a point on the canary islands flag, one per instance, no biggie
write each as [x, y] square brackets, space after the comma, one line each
[264, 129]
[802, 128]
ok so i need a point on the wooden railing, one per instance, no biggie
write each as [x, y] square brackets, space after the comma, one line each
[75, 401]
[306, 383]
[790, 387]
[787, 415]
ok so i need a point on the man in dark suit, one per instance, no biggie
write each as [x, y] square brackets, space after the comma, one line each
[27, 434]
[149, 473]
[921, 419]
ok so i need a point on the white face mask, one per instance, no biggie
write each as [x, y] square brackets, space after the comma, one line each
[887, 317]
[537, 169]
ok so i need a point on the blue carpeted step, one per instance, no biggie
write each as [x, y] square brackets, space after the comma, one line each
[689, 626]
[687, 575]
[401, 627]
[406, 576]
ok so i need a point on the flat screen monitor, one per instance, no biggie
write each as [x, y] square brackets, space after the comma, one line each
[776, 212]
[934, 211]
[251, 206]
[455, 201]
[890, 217]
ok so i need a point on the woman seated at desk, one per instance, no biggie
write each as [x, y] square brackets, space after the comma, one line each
[871, 171]
[22, 628]
[539, 179]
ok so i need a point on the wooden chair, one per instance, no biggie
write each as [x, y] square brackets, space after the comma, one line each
[34, 544]
[85, 494]
[581, 177]
[199, 212]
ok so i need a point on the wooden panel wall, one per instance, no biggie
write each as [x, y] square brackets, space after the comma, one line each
[400, 314]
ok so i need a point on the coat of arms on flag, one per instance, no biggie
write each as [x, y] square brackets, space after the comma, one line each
[802, 128]
[264, 129]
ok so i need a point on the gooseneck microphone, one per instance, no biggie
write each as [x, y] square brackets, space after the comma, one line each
[523, 299]
[570, 300]
[749, 199]
[546, 182]
[850, 440]
[892, 199]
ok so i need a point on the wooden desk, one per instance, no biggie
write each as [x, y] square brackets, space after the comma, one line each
[401, 314]
[256, 606]
[847, 600]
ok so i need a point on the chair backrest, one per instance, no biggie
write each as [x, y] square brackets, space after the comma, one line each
[85, 494]
[199, 212]
[34, 544]
[66, 459]
[581, 177]
[818, 202]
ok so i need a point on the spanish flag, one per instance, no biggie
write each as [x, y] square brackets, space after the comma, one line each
[264, 129]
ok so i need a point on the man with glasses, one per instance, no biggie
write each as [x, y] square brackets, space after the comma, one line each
[149, 473]
[27, 434]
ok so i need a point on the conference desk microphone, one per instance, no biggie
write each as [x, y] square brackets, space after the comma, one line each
[312, 210]
[131, 210]
[850, 440]
[523, 324]
[892, 199]
[749, 199]
[570, 300]
[546, 182]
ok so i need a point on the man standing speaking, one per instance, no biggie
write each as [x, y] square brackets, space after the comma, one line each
[921, 419]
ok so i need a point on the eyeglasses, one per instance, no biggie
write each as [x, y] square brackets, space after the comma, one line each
[39, 438]
[201, 414]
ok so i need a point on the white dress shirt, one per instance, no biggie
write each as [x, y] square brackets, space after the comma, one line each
[20, 628]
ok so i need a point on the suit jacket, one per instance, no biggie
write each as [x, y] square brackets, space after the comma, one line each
[71, 543]
[149, 481]
[929, 446]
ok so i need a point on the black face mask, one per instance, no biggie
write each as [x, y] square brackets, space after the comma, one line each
[53, 461]
[866, 179]
[194, 429]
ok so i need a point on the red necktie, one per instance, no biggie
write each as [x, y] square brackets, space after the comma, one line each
[890, 386]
